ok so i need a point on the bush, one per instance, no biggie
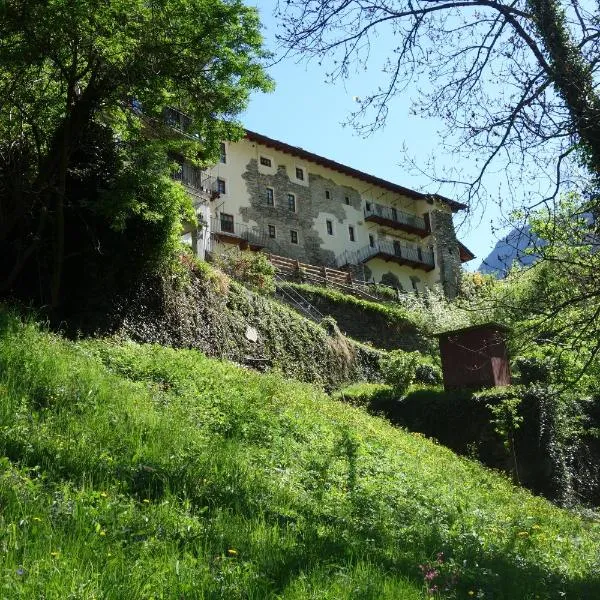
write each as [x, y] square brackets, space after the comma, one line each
[428, 373]
[251, 268]
[399, 370]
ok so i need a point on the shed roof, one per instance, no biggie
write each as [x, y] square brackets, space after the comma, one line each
[489, 325]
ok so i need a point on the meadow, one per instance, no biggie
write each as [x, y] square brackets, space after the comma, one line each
[139, 471]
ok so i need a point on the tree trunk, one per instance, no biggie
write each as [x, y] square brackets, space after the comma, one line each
[572, 77]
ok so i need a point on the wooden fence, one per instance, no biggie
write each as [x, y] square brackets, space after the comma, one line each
[288, 268]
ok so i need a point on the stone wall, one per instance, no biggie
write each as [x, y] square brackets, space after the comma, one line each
[310, 204]
[447, 253]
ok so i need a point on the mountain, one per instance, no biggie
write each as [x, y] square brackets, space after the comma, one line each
[513, 247]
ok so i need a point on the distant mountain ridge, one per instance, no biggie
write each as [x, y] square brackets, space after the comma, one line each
[510, 249]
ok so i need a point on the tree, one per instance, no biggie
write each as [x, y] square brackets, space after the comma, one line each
[69, 73]
[514, 81]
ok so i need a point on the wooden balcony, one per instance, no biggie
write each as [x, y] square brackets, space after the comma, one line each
[418, 257]
[397, 219]
[240, 234]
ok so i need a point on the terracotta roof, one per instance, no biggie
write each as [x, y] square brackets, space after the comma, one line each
[465, 254]
[335, 166]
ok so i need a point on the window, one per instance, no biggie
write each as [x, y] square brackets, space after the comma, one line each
[347, 200]
[394, 214]
[299, 173]
[371, 240]
[329, 226]
[368, 207]
[291, 202]
[270, 197]
[223, 153]
[227, 223]
[327, 195]
[272, 232]
[293, 236]
[221, 185]
[265, 162]
[351, 233]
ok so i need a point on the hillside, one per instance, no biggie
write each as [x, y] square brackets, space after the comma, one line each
[137, 471]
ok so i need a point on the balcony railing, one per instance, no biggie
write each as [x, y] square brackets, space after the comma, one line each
[417, 257]
[392, 217]
[176, 119]
[197, 179]
[223, 227]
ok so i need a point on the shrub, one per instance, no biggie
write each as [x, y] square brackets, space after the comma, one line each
[399, 370]
[251, 268]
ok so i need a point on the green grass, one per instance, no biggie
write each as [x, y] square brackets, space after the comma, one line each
[394, 313]
[134, 471]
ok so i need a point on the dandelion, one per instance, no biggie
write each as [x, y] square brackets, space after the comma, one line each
[146, 501]
[232, 552]
[54, 554]
[37, 519]
[104, 494]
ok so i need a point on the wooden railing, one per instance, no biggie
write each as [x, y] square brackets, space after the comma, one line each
[321, 275]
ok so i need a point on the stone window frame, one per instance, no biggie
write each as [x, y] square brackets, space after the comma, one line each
[265, 158]
[294, 239]
[327, 194]
[291, 201]
[270, 199]
[272, 231]
[347, 200]
[221, 184]
[223, 153]
[302, 173]
[371, 241]
[352, 233]
[329, 227]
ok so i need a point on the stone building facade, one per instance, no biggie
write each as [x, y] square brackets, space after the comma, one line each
[269, 195]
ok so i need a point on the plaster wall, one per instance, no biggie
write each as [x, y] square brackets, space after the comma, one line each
[322, 195]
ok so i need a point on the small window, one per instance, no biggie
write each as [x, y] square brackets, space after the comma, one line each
[329, 226]
[291, 202]
[394, 214]
[221, 185]
[368, 206]
[371, 241]
[265, 162]
[223, 153]
[351, 233]
[293, 236]
[347, 200]
[299, 173]
[272, 232]
[227, 223]
[327, 195]
[270, 197]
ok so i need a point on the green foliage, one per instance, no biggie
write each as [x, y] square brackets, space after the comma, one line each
[383, 325]
[133, 471]
[209, 311]
[71, 68]
[251, 268]
[400, 369]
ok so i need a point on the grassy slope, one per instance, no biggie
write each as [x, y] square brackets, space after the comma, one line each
[144, 472]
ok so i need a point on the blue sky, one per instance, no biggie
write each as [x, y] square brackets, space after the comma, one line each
[306, 111]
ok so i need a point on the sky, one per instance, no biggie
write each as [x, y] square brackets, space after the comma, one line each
[306, 111]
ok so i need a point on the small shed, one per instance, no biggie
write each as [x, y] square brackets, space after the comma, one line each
[475, 357]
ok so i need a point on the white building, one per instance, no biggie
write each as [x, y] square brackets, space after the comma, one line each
[265, 194]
